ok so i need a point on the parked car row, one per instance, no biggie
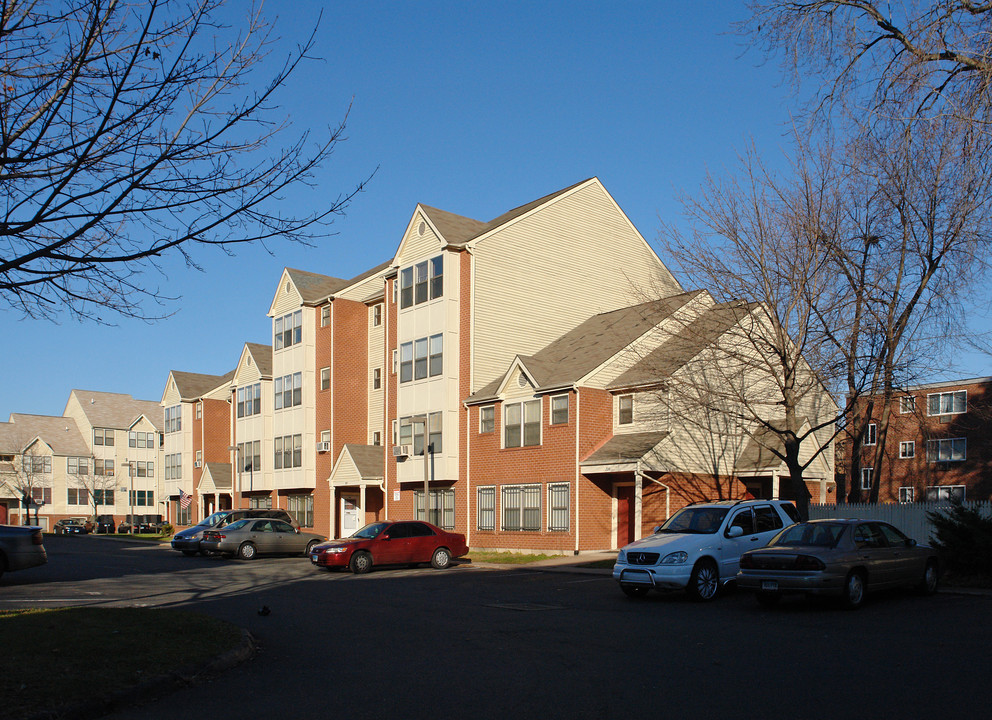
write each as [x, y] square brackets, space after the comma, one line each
[74, 526]
[762, 546]
[251, 532]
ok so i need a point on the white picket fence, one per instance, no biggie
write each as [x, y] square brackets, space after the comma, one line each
[911, 518]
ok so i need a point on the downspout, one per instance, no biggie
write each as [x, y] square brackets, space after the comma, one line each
[578, 425]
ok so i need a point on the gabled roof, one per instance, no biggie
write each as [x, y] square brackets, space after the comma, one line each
[117, 410]
[369, 459]
[662, 362]
[458, 230]
[625, 448]
[314, 287]
[61, 434]
[193, 386]
[262, 355]
[216, 476]
[587, 346]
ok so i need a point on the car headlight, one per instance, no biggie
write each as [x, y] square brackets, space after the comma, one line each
[621, 557]
[675, 558]
[334, 550]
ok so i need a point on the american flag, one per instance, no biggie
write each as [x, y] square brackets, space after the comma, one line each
[184, 499]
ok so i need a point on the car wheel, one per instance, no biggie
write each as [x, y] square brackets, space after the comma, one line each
[854, 590]
[190, 553]
[310, 546]
[931, 579]
[361, 562]
[634, 591]
[246, 551]
[768, 599]
[704, 583]
[441, 558]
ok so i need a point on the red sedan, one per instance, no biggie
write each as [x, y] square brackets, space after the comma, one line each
[391, 543]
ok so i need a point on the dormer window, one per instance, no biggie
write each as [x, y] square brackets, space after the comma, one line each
[625, 410]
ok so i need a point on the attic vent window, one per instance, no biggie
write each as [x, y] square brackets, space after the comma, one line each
[522, 381]
[422, 228]
[287, 286]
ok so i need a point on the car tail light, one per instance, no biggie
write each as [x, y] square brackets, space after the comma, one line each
[808, 562]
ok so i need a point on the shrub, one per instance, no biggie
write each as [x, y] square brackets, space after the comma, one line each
[167, 529]
[964, 540]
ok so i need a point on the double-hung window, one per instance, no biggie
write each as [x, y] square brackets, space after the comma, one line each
[420, 359]
[871, 434]
[406, 362]
[288, 330]
[625, 410]
[558, 507]
[521, 507]
[487, 419]
[522, 424]
[486, 508]
[907, 449]
[288, 391]
[866, 478]
[421, 282]
[559, 410]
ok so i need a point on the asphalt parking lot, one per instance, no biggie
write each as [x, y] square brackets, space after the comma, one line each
[493, 643]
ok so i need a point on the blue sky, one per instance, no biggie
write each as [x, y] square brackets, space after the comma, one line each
[473, 107]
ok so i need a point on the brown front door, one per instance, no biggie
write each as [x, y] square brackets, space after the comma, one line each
[625, 515]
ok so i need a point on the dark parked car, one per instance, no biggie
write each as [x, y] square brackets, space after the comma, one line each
[845, 558]
[253, 536]
[105, 524]
[188, 541]
[73, 526]
[406, 542]
[21, 546]
[147, 524]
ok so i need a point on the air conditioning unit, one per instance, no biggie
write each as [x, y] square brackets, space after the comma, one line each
[323, 446]
[401, 451]
[197, 464]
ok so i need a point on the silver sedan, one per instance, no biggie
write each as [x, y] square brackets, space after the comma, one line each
[253, 536]
[845, 558]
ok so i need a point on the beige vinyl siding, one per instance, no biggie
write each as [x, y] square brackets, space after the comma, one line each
[346, 473]
[547, 272]
[286, 300]
[416, 247]
[364, 289]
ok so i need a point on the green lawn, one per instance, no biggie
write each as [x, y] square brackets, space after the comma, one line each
[59, 658]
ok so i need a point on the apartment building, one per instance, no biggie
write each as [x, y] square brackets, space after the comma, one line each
[103, 456]
[516, 351]
[197, 455]
[938, 445]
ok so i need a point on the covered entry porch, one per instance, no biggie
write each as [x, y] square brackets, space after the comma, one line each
[357, 489]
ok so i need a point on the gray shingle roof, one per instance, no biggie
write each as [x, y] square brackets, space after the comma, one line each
[459, 230]
[590, 344]
[688, 342]
[193, 386]
[117, 410]
[314, 287]
[221, 474]
[369, 459]
[625, 448]
[60, 433]
[262, 355]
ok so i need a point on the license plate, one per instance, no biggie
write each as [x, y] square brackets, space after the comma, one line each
[313, 558]
[769, 585]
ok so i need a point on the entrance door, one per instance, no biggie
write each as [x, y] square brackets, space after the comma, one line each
[351, 516]
[625, 515]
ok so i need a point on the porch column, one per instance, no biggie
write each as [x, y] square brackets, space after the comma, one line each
[775, 488]
[638, 491]
[361, 504]
[333, 511]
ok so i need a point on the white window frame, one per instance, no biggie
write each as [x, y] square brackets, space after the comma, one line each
[485, 508]
[907, 404]
[325, 378]
[620, 410]
[907, 495]
[523, 406]
[519, 494]
[487, 425]
[934, 493]
[871, 435]
[952, 396]
[554, 411]
[907, 449]
[866, 478]
[950, 446]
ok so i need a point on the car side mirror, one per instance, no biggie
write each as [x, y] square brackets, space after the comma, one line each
[735, 531]
[910, 542]
[656, 529]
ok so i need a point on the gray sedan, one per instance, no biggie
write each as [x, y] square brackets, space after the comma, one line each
[844, 558]
[251, 536]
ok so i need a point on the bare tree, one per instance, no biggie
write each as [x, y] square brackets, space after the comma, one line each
[913, 58]
[766, 240]
[132, 130]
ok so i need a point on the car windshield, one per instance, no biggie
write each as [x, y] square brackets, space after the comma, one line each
[818, 534]
[370, 531]
[701, 520]
[215, 519]
[237, 524]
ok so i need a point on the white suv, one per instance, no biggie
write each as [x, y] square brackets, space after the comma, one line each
[699, 548]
